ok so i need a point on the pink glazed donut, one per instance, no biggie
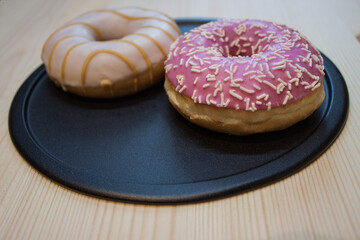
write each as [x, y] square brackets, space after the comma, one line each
[244, 76]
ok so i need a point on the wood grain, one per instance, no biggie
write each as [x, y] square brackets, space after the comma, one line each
[320, 202]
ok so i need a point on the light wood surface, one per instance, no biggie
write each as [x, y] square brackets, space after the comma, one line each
[320, 202]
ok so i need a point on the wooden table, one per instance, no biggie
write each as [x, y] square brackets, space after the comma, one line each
[320, 202]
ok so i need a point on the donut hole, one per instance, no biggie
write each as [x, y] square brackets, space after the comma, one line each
[248, 53]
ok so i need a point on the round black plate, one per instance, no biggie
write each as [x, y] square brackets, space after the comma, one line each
[140, 149]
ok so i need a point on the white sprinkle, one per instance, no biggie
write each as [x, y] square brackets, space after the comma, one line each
[218, 84]
[267, 66]
[213, 102]
[182, 89]
[235, 69]
[210, 77]
[290, 95]
[268, 106]
[227, 50]
[278, 67]
[256, 87]
[249, 72]
[316, 59]
[194, 93]
[286, 99]
[306, 50]
[240, 29]
[238, 80]
[216, 91]
[270, 84]
[280, 88]
[292, 66]
[258, 102]
[180, 79]
[183, 50]
[192, 53]
[270, 74]
[279, 63]
[187, 62]
[247, 90]
[195, 70]
[208, 99]
[275, 53]
[227, 103]
[266, 46]
[247, 101]
[258, 79]
[206, 85]
[196, 79]
[175, 51]
[254, 65]
[296, 80]
[215, 58]
[289, 86]
[253, 108]
[192, 63]
[311, 75]
[320, 69]
[315, 87]
[261, 96]
[168, 68]
[230, 73]
[235, 95]
[282, 81]
[261, 67]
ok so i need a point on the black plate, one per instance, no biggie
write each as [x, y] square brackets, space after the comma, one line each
[139, 149]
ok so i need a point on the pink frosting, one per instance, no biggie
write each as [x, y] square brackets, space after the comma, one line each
[246, 65]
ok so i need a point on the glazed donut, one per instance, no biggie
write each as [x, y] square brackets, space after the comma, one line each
[244, 76]
[110, 53]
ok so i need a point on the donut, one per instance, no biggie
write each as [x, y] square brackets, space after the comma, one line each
[110, 53]
[244, 76]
